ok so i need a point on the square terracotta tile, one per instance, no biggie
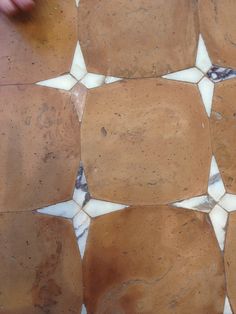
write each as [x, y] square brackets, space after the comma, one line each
[138, 38]
[40, 147]
[40, 265]
[146, 141]
[40, 45]
[153, 260]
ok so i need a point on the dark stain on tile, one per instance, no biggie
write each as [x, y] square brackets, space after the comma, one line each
[40, 265]
[46, 291]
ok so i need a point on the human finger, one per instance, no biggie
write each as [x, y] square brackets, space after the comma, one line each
[8, 7]
[24, 5]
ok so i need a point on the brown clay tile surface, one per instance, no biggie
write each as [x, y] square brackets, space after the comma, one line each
[40, 147]
[38, 46]
[218, 27]
[138, 38]
[145, 141]
[230, 259]
[40, 265]
[153, 260]
[223, 120]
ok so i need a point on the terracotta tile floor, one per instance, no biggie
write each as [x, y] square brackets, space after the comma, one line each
[39, 46]
[120, 119]
[39, 147]
[40, 265]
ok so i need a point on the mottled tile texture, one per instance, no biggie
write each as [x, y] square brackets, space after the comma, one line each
[40, 45]
[230, 260]
[145, 141]
[40, 266]
[223, 120]
[218, 28]
[153, 260]
[40, 147]
[138, 38]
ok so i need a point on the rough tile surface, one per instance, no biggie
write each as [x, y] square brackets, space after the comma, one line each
[40, 265]
[223, 131]
[138, 38]
[38, 46]
[145, 141]
[218, 28]
[230, 260]
[40, 147]
[153, 260]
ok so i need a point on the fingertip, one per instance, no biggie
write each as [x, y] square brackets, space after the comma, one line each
[24, 5]
[8, 8]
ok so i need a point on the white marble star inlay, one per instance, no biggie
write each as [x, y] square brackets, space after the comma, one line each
[197, 75]
[77, 3]
[216, 188]
[81, 210]
[81, 223]
[84, 310]
[228, 202]
[219, 219]
[65, 82]
[65, 209]
[78, 73]
[216, 203]
[227, 307]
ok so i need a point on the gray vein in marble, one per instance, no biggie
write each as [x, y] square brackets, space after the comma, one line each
[81, 223]
[81, 184]
[218, 74]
